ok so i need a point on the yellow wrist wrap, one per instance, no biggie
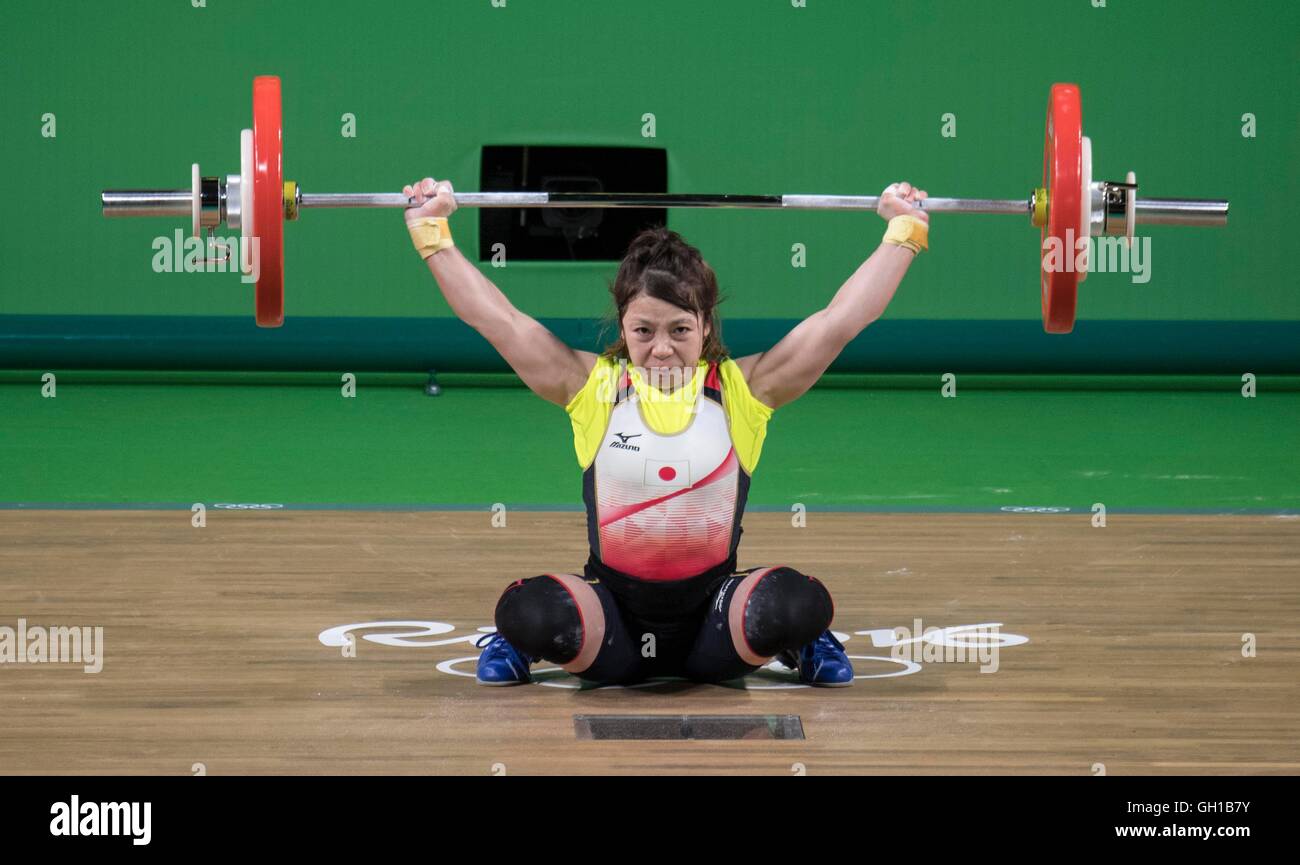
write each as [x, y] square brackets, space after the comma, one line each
[906, 230]
[431, 234]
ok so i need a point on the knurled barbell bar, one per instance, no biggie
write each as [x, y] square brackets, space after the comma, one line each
[1069, 207]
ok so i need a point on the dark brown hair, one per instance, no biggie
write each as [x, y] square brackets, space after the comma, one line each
[660, 264]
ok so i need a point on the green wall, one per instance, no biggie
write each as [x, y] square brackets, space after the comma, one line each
[842, 96]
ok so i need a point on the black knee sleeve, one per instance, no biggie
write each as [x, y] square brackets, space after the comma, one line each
[539, 618]
[786, 610]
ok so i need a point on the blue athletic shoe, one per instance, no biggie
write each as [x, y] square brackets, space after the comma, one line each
[822, 662]
[501, 663]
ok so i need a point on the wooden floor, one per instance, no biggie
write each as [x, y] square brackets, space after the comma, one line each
[213, 656]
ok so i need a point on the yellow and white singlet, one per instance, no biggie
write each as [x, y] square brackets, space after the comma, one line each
[666, 476]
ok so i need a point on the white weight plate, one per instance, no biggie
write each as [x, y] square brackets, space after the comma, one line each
[1130, 211]
[196, 200]
[245, 196]
[1085, 204]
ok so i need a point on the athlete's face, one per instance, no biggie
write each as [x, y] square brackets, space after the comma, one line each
[661, 336]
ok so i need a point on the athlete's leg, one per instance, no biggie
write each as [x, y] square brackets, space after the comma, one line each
[570, 621]
[754, 616]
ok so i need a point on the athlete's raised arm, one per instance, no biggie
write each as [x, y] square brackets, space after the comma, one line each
[784, 372]
[551, 369]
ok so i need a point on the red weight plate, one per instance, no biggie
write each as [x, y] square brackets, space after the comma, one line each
[268, 199]
[1062, 158]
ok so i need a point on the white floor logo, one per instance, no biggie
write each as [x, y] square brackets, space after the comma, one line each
[908, 649]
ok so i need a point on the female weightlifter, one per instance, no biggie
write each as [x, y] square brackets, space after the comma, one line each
[668, 430]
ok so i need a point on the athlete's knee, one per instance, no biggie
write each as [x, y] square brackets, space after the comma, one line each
[540, 617]
[785, 610]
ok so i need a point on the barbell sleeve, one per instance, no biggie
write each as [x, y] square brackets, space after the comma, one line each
[1181, 211]
[146, 202]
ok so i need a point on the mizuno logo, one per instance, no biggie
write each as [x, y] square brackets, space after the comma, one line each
[623, 445]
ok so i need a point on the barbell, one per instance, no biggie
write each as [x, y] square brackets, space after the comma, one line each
[1069, 208]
